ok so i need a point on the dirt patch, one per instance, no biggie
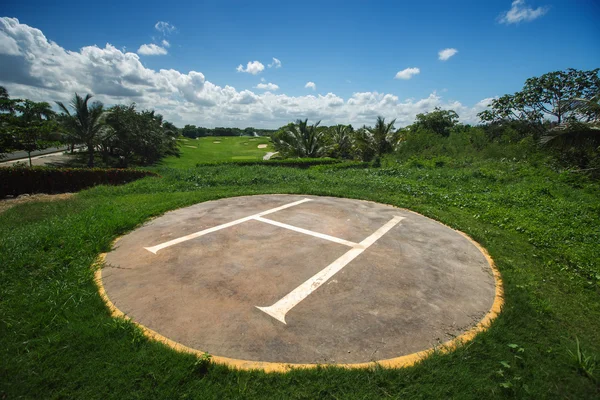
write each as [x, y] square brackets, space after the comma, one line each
[5, 204]
[262, 146]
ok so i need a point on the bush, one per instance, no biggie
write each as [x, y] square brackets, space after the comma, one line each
[287, 162]
[464, 143]
[16, 181]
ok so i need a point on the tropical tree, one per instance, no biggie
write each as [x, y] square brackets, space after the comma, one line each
[549, 96]
[25, 125]
[138, 136]
[578, 142]
[383, 137]
[438, 121]
[7, 113]
[363, 146]
[301, 140]
[35, 128]
[340, 137]
[86, 124]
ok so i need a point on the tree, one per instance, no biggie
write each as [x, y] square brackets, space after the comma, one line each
[382, 137]
[34, 126]
[86, 124]
[7, 113]
[550, 95]
[341, 139]
[578, 142]
[138, 136]
[190, 131]
[301, 140]
[438, 121]
[25, 125]
[362, 144]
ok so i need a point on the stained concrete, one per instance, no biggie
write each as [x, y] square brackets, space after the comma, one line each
[419, 285]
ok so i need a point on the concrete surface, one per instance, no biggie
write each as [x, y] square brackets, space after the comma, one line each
[419, 285]
[17, 155]
[40, 160]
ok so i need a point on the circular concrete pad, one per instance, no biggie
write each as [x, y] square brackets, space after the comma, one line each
[300, 279]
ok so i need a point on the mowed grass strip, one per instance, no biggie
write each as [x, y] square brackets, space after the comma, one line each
[541, 228]
[229, 148]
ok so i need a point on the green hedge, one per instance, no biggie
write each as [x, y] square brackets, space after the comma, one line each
[16, 181]
[287, 162]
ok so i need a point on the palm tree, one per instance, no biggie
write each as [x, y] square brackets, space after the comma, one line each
[86, 124]
[302, 140]
[341, 139]
[382, 137]
[7, 105]
[32, 111]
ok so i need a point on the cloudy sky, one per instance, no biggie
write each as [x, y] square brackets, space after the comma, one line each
[266, 63]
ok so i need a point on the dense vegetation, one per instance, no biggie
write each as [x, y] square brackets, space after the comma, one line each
[559, 112]
[121, 134]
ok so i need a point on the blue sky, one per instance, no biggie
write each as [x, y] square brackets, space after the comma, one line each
[351, 51]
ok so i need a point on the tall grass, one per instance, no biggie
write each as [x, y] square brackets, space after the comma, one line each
[540, 225]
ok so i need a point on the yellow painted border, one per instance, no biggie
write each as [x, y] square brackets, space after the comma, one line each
[396, 362]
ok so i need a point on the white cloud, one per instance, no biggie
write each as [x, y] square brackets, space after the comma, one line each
[267, 86]
[8, 45]
[151, 50]
[276, 63]
[311, 85]
[446, 54]
[407, 73]
[253, 67]
[164, 27]
[36, 68]
[165, 43]
[520, 12]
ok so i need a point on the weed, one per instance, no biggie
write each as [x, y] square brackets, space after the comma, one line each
[202, 363]
[586, 364]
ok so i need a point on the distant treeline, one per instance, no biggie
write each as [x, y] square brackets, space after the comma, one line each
[193, 131]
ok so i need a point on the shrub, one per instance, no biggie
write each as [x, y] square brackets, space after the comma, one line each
[16, 181]
[287, 162]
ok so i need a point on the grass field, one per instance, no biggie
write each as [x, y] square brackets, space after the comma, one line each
[228, 148]
[541, 227]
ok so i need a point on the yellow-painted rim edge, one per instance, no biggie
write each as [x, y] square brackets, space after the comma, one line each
[396, 362]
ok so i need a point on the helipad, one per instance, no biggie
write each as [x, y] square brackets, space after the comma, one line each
[266, 281]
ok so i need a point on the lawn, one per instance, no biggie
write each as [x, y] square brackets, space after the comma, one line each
[228, 148]
[540, 226]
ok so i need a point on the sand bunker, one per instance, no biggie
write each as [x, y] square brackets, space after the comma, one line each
[192, 147]
[262, 146]
[217, 141]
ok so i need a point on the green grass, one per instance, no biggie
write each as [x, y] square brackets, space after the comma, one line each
[229, 148]
[541, 227]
